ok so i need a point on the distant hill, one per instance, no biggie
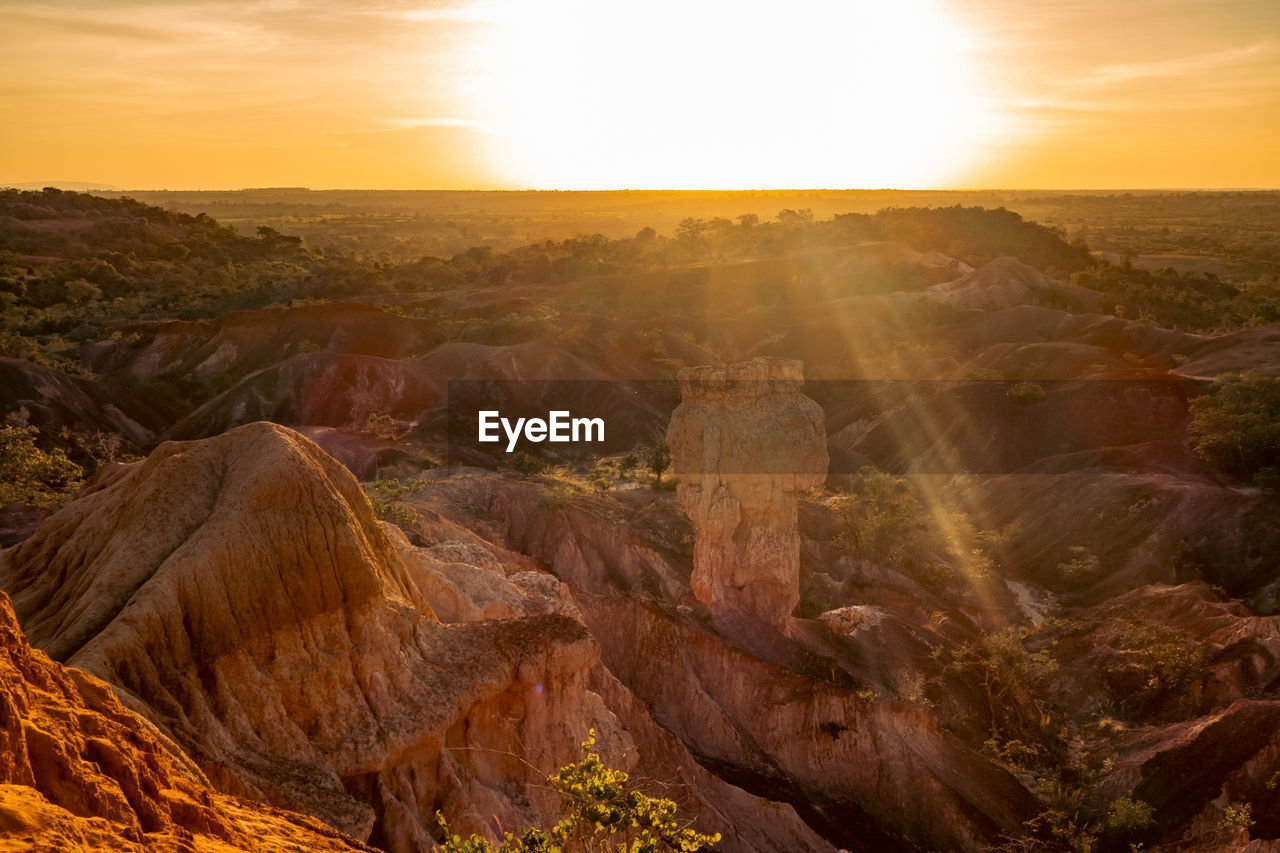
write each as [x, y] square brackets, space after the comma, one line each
[77, 186]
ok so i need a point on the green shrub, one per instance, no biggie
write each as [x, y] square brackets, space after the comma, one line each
[1081, 568]
[524, 462]
[1236, 814]
[385, 496]
[1127, 816]
[1236, 426]
[29, 475]
[1025, 393]
[1014, 680]
[599, 813]
[657, 457]
[1167, 663]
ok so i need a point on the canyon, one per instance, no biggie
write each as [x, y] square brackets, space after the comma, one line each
[936, 565]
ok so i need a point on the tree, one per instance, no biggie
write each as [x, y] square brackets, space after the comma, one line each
[657, 456]
[29, 475]
[1236, 426]
[599, 813]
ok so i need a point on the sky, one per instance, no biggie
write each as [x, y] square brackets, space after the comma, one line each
[587, 94]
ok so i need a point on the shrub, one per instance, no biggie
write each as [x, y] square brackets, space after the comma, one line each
[524, 462]
[1013, 679]
[883, 520]
[1025, 393]
[1167, 663]
[1127, 816]
[385, 496]
[1081, 567]
[599, 813]
[657, 457]
[1236, 426]
[29, 475]
[1236, 815]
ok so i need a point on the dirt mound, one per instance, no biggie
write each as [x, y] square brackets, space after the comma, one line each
[1006, 282]
[997, 427]
[78, 771]
[1148, 512]
[244, 341]
[55, 401]
[1252, 349]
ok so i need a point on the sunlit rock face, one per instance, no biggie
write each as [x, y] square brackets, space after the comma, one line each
[239, 592]
[745, 441]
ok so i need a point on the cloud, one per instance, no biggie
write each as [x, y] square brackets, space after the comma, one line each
[1179, 66]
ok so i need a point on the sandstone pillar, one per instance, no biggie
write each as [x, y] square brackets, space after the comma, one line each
[745, 441]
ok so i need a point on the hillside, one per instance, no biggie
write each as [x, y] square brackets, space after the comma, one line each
[1025, 600]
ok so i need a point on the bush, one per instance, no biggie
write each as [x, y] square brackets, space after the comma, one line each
[1025, 393]
[385, 496]
[1014, 681]
[657, 458]
[1236, 815]
[599, 813]
[1167, 664]
[883, 520]
[1236, 426]
[29, 475]
[524, 462]
[1081, 568]
[1127, 816]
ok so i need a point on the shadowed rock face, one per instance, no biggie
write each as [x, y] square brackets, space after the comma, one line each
[744, 442]
[80, 772]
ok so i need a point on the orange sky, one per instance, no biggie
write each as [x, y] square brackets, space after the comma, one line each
[671, 93]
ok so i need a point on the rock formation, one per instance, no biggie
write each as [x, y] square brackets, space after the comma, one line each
[744, 443]
[785, 718]
[80, 772]
[239, 593]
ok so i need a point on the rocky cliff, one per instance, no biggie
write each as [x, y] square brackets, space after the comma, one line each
[80, 772]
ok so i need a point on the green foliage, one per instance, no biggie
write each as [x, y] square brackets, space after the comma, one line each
[29, 475]
[1236, 426]
[524, 462]
[1164, 664]
[1190, 301]
[1236, 814]
[1025, 393]
[126, 261]
[657, 457]
[1013, 755]
[1081, 568]
[628, 464]
[1071, 823]
[1013, 679]
[1064, 826]
[385, 496]
[1127, 816]
[599, 813]
[884, 520]
[508, 329]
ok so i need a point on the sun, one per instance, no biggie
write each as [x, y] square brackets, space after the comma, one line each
[706, 94]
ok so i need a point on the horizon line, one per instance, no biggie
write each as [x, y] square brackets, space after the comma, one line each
[95, 187]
